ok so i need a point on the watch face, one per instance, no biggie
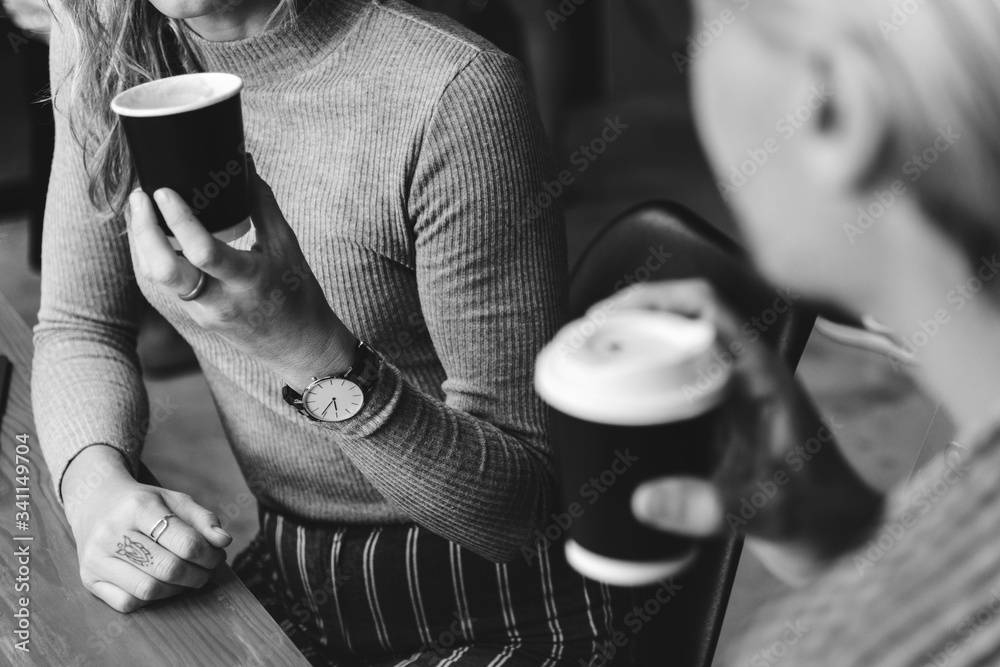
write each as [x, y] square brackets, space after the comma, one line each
[333, 399]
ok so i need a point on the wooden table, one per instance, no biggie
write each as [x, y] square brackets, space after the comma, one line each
[221, 625]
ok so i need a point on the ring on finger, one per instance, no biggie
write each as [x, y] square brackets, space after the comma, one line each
[198, 289]
[159, 528]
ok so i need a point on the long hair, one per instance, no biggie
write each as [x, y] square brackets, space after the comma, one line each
[118, 45]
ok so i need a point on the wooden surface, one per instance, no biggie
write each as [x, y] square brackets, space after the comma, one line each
[221, 625]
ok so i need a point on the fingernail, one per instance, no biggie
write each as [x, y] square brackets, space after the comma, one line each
[160, 196]
[222, 532]
[133, 198]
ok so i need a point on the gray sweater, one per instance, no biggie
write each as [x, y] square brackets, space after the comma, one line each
[405, 152]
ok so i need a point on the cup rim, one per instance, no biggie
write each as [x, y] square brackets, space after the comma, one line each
[678, 391]
[229, 86]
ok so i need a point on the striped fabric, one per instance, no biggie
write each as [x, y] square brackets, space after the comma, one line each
[400, 595]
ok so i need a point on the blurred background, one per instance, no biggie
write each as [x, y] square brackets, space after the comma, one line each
[591, 63]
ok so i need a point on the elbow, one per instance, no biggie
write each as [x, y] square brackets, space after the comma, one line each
[507, 552]
[525, 540]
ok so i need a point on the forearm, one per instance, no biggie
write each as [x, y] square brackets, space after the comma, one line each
[450, 471]
[85, 392]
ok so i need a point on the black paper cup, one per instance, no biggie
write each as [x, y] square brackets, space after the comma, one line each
[186, 133]
[636, 397]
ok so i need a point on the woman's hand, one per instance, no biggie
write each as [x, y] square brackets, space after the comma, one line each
[266, 302]
[119, 562]
[781, 477]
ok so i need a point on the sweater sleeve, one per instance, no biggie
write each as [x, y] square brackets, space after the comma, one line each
[491, 273]
[86, 385]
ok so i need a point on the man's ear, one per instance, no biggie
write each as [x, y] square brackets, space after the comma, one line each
[849, 133]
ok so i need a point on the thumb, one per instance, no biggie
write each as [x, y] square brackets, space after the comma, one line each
[199, 518]
[268, 220]
[679, 505]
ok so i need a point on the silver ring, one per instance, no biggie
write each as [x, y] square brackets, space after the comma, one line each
[198, 289]
[160, 525]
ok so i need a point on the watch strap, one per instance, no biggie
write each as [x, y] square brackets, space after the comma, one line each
[363, 372]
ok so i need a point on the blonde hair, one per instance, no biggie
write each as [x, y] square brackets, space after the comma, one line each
[938, 63]
[119, 44]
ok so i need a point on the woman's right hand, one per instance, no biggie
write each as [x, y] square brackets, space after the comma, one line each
[119, 562]
[781, 478]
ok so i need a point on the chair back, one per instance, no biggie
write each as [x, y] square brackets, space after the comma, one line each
[665, 241]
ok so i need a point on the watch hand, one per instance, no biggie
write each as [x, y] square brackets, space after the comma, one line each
[328, 406]
[335, 405]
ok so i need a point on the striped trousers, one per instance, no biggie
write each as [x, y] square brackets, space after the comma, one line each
[399, 595]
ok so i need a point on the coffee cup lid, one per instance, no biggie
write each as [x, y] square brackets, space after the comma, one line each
[176, 94]
[633, 368]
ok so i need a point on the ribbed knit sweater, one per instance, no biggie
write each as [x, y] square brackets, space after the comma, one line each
[404, 152]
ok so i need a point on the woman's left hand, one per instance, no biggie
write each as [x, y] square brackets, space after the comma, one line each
[264, 301]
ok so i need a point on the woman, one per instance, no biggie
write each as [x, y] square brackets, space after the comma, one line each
[399, 151]
[883, 202]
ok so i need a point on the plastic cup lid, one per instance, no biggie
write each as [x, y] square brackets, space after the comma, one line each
[633, 368]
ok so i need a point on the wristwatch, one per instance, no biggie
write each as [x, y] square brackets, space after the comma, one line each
[337, 398]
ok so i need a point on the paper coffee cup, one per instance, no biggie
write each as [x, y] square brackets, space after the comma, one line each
[635, 395]
[186, 133]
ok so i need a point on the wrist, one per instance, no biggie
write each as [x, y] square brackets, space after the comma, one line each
[331, 355]
[94, 467]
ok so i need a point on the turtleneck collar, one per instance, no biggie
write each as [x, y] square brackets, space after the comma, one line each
[295, 44]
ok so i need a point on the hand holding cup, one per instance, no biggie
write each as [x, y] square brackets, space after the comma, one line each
[813, 505]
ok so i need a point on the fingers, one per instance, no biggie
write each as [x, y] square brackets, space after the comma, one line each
[147, 556]
[202, 521]
[679, 505]
[156, 257]
[693, 298]
[268, 220]
[792, 564]
[759, 366]
[185, 534]
[201, 249]
[136, 587]
[115, 597]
